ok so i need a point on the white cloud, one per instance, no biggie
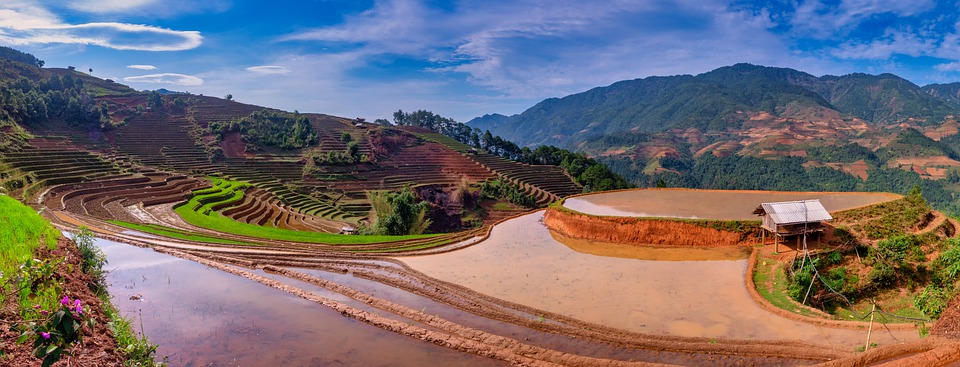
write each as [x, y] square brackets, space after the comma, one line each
[166, 78]
[894, 42]
[141, 67]
[812, 18]
[268, 69]
[952, 66]
[25, 23]
[107, 6]
[534, 49]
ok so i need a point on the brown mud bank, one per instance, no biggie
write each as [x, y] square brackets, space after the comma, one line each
[650, 231]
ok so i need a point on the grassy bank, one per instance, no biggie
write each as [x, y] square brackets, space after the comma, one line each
[43, 274]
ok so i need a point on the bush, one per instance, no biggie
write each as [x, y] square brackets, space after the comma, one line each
[932, 300]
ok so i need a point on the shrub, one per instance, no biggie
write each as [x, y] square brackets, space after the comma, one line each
[932, 300]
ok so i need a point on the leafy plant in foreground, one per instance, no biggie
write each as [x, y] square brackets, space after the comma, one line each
[55, 334]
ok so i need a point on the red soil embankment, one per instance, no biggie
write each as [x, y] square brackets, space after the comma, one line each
[653, 231]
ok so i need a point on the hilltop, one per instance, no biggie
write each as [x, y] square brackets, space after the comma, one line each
[97, 148]
[777, 128]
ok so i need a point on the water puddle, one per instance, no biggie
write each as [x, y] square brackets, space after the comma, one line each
[523, 263]
[201, 316]
[709, 204]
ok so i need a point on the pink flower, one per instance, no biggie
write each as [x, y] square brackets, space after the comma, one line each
[44, 312]
[65, 301]
[78, 307]
[45, 334]
[36, 307]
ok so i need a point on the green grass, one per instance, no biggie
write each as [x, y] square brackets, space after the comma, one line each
[778, 294]
[21, 233]
[176, 233]
[200, 215]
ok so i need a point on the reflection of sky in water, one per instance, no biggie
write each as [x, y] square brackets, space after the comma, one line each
[128, 253]
[201, 316]
[585, 206]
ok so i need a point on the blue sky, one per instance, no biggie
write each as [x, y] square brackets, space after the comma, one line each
[463, 59]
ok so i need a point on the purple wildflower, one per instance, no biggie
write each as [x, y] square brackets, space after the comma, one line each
[44, 312]
[65, 301]
[36, 307]
[45, 334]
[78, 307]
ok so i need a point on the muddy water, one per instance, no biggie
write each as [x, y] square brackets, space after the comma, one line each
[521, 262]
[204, 317]
[709, 204]
[553, 341]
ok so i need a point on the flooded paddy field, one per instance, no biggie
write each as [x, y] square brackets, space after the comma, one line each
[204, 317]
[522, 262]
[524, 294]
[709, 204]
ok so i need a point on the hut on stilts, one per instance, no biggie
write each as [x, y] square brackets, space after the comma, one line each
[792, 218]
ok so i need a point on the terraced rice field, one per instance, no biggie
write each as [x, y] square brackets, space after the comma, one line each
[545, 184]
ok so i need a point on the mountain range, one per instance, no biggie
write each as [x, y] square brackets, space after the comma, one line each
[656, 129]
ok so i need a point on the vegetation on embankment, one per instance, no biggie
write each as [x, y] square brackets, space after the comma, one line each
[673, 232]
[54, 296]
[897, 255]
[197, 211]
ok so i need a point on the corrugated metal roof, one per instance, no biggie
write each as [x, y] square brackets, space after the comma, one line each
[792, 212]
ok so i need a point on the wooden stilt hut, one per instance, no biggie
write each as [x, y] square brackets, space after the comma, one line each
[792, 218]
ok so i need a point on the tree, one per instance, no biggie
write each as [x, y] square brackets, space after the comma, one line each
[228, 97]
[155, 101]
[91, 70]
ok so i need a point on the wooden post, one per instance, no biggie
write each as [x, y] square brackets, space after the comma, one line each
[870, 329]
[763, 237]
[776, 242]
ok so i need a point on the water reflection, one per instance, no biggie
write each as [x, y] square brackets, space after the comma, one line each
[204, 317]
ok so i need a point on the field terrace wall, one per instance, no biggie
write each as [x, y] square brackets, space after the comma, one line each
[665, 232]
[29, 171]
[259, 207]
[544, 183]
[330, 130]
[283, 179]
[165, 141]
[108, 199]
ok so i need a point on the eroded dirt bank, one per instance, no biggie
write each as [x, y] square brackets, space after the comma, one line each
[650, 231]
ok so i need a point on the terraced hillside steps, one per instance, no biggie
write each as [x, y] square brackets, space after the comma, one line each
[545, 183]
[28, 171]
[163, 141]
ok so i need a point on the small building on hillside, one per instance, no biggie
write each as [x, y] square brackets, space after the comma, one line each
[791, 218]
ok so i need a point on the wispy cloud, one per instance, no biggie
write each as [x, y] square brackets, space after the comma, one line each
[107, 6]
[166, 78]
[546, 48]
[813, 18]
[26, 23]
[952, 66]
[268, 69]
[141, 67]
